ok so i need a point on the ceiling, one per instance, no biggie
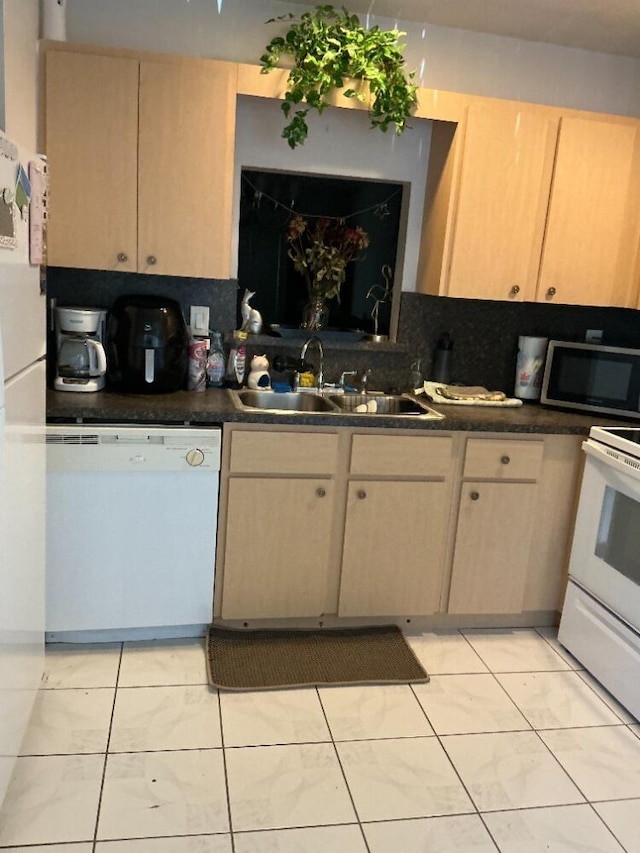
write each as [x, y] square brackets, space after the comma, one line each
[609, 26]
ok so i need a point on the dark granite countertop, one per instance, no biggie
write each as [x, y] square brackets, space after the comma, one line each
[216, 407]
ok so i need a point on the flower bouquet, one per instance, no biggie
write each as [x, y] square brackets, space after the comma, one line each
[320, 252]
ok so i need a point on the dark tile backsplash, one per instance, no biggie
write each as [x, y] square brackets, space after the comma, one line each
[484, 333]
[99, 289]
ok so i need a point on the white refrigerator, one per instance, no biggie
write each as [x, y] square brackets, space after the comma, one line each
[22, 449]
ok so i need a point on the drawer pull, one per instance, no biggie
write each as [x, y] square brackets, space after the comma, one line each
[474, 496]
[320, 492]
[551, 292]
[361, 494]
[122, 257]
[505, 459]
[152, 260]
[515, 290]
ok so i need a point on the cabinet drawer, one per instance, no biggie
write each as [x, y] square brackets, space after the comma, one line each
[418, 456]
[283, 453]
[503, 460]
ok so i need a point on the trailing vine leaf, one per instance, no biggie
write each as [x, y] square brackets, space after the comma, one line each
[329, 45]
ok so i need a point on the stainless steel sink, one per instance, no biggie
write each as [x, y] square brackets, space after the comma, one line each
[292, 402]
[396, 405]
[287, 401]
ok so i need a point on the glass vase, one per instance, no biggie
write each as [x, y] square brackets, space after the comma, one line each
[315, 314]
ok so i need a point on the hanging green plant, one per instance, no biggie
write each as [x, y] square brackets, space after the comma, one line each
[328, 47]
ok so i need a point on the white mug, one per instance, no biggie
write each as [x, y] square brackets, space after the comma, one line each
[530, 367]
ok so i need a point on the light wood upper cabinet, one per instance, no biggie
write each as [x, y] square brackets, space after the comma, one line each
[591, 240]
[91, 123]
[141, 163]
[185, 168]
[533, 203]
[501, 202]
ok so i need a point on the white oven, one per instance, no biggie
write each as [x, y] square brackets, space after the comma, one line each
[600, 622]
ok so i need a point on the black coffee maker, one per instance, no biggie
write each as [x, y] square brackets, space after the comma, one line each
[147, 345]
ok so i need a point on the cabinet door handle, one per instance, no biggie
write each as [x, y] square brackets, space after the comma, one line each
[505, 460]
[361, 494]
[320, 492]
[152, 260]
[122, 257]
[515, 290]
[474, 496]
[551, 292]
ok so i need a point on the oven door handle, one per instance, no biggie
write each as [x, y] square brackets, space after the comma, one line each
[613, 459]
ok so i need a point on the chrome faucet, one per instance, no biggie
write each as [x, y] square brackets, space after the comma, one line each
[320, 373]
[364, 380]
[342, 382]
[361, 379]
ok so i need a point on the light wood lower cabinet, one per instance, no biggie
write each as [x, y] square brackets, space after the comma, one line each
[493, 542]
[392, 561]
[513, 526]
[353, 524]
[277, 547]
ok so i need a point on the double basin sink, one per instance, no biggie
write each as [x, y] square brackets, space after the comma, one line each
[295, 402]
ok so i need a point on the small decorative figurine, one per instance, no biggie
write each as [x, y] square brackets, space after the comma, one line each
[259, 378]
[251, 317]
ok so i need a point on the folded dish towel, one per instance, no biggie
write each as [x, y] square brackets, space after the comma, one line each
[468, 395]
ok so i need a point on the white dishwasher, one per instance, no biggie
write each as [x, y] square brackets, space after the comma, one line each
[131, 530]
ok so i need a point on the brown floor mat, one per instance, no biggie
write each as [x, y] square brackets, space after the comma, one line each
[267, 659]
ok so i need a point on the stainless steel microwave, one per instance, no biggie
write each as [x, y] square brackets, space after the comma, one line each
[592, 378]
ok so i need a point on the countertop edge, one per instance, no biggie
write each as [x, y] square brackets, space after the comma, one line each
[215, 407]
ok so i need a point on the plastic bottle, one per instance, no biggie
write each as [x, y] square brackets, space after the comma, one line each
[416, 375]
[442, 359]
[237, 361]
[197, 372]
[216, 362]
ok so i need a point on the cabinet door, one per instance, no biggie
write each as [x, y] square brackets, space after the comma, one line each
[187, 131]
[493, 538]
[394, 543]
[277, 547]
[502, 202]
[589, 246]
[91, 130]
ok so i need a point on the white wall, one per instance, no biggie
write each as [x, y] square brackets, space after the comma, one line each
[445, 58]
[339, 143]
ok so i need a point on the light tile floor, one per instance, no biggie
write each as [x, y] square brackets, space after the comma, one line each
[510, 747]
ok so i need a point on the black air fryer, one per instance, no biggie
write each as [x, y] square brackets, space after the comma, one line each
[147, 344]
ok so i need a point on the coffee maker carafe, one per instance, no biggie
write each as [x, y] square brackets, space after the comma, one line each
[81, 363]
